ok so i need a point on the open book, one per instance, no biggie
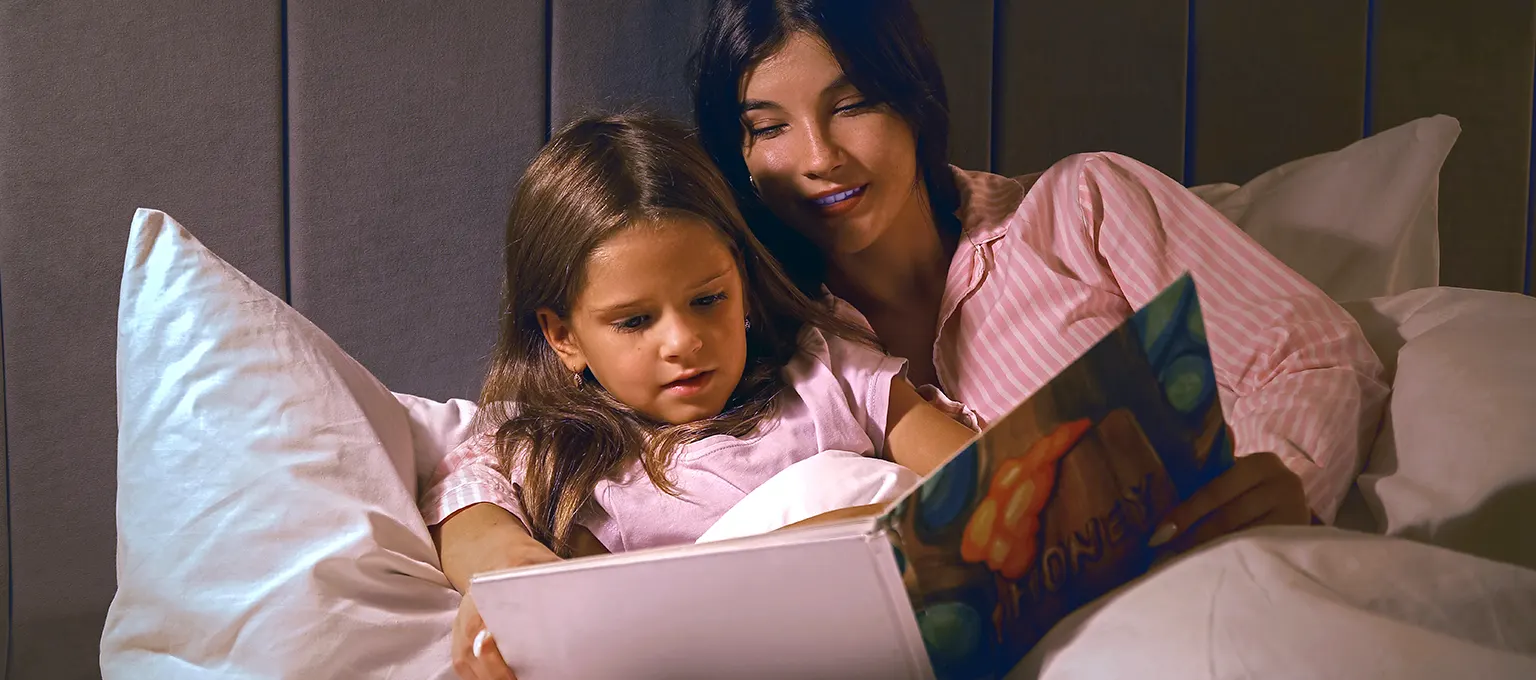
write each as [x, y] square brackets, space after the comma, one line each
[1049, 508]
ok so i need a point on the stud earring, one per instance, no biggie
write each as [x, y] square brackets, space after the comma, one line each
[748, 324]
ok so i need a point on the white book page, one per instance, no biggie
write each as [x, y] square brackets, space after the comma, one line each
[831, 530]
[822, 602]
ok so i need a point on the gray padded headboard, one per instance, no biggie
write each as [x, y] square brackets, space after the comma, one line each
[356, 157]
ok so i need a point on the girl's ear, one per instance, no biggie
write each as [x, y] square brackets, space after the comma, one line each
[561, 338]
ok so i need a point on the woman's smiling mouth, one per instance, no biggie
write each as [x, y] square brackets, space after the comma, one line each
[838, 202]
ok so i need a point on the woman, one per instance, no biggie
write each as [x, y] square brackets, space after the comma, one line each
[829, 118]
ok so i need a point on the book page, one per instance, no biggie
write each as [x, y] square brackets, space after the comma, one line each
[831, 530]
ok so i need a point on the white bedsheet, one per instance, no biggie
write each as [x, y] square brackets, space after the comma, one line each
[1305, 602]
[1283, 602]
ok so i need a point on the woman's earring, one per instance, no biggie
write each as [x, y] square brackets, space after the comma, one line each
[748, 324]
[753, 181]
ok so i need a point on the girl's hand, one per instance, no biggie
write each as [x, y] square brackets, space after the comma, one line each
[1258, 490]
[488, 664]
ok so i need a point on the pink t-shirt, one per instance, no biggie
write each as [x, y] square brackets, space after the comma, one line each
[836, 397]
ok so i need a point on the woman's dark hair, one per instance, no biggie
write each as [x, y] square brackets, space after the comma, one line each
[596, 178]
[883, 51]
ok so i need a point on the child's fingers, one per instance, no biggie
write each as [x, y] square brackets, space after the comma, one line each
[489, 663]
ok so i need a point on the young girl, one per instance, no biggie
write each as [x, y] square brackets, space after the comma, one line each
[654, 366]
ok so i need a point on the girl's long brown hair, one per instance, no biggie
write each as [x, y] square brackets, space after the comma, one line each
[596, 177]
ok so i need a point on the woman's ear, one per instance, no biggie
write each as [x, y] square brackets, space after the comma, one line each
[562, 339]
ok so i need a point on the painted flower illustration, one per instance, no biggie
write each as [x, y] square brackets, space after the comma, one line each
[1004, 529]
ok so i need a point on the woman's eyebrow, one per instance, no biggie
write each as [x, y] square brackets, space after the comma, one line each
[760, 104]
[841, 82]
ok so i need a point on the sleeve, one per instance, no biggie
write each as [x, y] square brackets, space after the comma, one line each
[470, 474]
[866, 372]
[1296, 374]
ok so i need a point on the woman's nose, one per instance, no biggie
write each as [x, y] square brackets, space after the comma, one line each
[823, 156]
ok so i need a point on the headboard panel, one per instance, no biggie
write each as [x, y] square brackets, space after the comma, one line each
[407, 126]
[104, 107]
[1089, 76]
[610, 55]
[357, 158]
[1272, 82]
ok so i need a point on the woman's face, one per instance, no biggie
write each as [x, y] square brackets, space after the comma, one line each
[833, 166]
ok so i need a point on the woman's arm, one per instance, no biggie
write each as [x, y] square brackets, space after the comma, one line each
[918, 436]
[1302, 380]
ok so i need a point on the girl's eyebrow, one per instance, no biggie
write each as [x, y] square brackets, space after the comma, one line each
[715, 277]
[626, 305]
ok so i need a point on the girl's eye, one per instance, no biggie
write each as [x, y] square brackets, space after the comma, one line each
[633, 323]
[710, 300]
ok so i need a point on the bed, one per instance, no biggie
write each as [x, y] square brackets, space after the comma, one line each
[355, 162]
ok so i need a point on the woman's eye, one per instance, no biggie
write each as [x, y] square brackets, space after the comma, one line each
[765, 131]
[853, 106]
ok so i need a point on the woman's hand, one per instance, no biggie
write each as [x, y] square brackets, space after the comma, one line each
[485, 665]
[1258, 490]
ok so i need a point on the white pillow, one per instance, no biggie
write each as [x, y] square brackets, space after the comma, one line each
[830, 480]
[1455, 462]
[1360, 222]
[437, 428]
[266, 516]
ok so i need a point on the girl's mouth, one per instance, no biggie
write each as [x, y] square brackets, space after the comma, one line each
[689, 386]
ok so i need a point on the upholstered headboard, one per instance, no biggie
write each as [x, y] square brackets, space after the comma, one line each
[357, 158]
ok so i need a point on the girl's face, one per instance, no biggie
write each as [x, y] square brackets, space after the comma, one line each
[833, 166]
[660, 320]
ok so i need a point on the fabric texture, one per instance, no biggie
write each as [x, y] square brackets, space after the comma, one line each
[266, 516]
[1360, 222]
[1455, 463]
[835, 399]
[1051, 263]
[827, 481]
[1304, 602]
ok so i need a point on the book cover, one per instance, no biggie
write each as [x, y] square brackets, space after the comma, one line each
[1052, 505]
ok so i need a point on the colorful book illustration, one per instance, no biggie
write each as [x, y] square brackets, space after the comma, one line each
[1053, 505]
[1049, 508]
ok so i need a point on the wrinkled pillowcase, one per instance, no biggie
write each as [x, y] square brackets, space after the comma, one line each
[266, 514]
[1360, 222]
[1455, 461]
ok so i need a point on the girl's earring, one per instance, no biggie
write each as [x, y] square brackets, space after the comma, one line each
[579, 378]
[748, 324]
